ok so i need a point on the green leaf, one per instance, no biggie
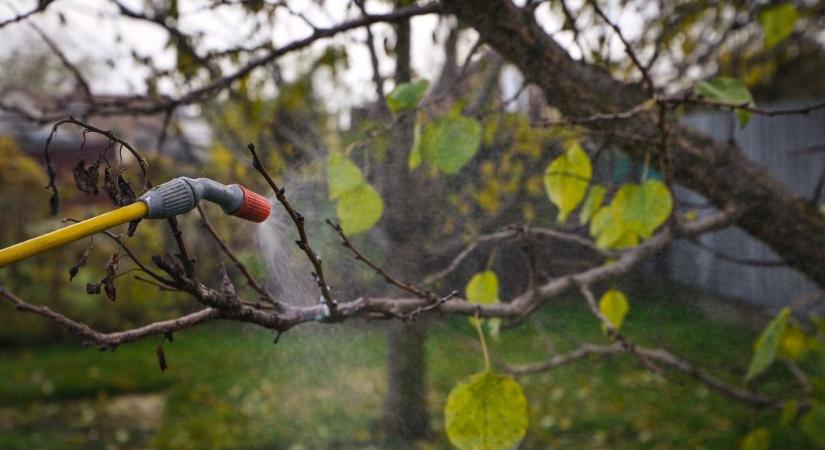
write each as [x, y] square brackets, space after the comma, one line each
[342, 175]
[614, 306]
[493, 327]
[764, 349]
[482, 288]
[636, 210]
[777, 23]
[813, 425]
[792, 343]
[359, 209]
[407, 95]
[566, 180]
[487, 411]
[789, 411]
[758, 439]
[627, 239]
[415, 151]
[592, 203]
[610, 231]
[728, 90]
[606, 227]
[450, 142]
[643, 207]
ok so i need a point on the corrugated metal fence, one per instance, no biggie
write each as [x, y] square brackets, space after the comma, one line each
[792, 148]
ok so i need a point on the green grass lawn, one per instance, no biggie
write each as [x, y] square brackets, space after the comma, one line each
[229, 386]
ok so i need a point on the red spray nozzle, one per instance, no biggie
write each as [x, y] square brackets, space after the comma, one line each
[255, 207]
[180, 195]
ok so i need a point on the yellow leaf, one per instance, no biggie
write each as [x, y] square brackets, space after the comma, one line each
[758, 439]
[614, 307]
[566, 180]
[792, 343]
[483, 288]
[592, 203]
[789, 411]
[487, 411]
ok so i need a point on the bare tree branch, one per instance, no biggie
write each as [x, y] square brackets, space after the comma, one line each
[512, 232]
[699, 100]
[376, 70]
[109, 341]
[42, 5]
[660, 356]
[628, 49]
[81, 80]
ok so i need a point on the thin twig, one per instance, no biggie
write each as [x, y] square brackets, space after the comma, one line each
[120, 241]
[627, 345]
[602, 117]
[376, 72]
[659, 355]
[81, 81]
[405, 286]
[188, 263]
[231, 255]
[699, 100]
[303, 242]
[41, 6]
[628, 49]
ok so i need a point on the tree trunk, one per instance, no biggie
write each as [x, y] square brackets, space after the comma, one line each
[406, 417]
[720, 171]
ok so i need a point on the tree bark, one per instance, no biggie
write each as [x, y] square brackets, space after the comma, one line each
[721, 172]
[406, 417]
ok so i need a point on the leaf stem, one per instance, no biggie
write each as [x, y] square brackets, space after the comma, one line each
[483, 344]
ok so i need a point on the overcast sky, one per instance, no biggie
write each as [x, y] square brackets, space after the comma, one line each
[93, 28]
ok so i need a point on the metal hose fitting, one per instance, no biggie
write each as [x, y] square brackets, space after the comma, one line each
[182, 194]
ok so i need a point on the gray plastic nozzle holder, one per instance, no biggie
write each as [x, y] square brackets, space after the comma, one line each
[182, 194]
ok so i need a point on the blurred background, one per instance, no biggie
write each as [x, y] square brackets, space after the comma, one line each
[229, 385]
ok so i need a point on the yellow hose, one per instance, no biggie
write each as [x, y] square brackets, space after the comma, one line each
[72, 233]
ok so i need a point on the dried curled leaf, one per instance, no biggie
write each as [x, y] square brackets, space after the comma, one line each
[85, 179]
[111, 274]
[82, 261]
[119, 190]
[54, 201]
[109, 186]
[132, 227]
[127, 193]
[111, 290]
[161, 358]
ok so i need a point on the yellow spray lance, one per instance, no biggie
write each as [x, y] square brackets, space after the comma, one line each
[172, 198]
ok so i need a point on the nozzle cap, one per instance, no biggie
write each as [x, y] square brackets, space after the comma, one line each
[255, 207]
